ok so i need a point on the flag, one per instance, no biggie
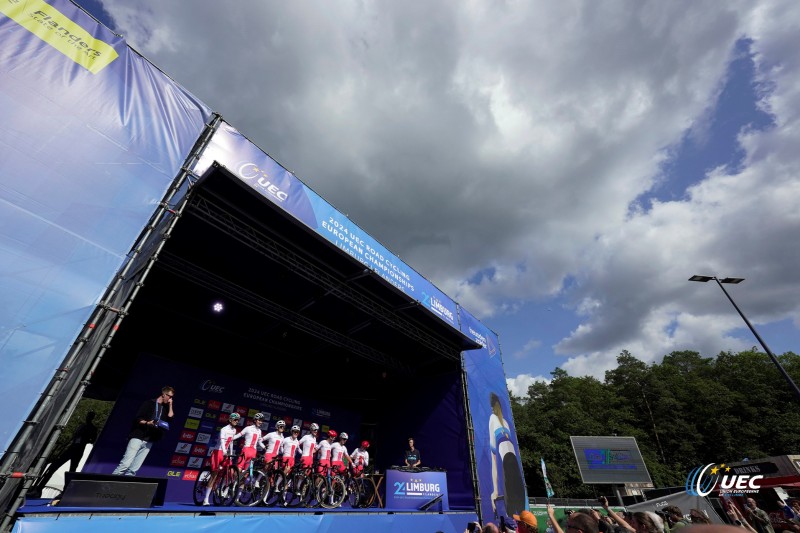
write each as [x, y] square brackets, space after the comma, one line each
[547, 485]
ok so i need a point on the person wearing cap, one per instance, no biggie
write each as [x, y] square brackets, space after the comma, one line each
[360, 457]
[413, 457]
[224, 446]
[526, 522]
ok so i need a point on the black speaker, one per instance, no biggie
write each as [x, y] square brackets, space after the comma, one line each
[104, 490]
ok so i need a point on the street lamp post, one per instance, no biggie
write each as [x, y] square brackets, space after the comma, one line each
[735, 281]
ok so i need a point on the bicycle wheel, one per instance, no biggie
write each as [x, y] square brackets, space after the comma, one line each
[368, 492]
[338, 491]
[310, 490]
[271, 495]
[200, 484]
[248, 489]
[353, 493]
[290, 497]
[225, 491]
[331, 493]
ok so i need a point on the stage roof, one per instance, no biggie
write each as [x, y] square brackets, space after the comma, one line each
[294, 304]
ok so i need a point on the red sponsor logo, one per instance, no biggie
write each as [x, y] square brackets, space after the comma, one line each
[188, 436]
[242, 410]
[178, 460]
[223, 417]
[200, 450]
[214, 405]
[190, 475]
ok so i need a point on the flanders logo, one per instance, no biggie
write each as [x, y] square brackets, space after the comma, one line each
[57, 30]
[703, 480]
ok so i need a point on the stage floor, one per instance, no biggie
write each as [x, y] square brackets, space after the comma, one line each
[38, 516]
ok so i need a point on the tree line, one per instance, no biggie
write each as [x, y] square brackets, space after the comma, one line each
[685, 411]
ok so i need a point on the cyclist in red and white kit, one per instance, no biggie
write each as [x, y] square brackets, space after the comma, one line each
[324, 452]
[308, 445]
[360, 457]
[224, 445]
[272, 442]
[251, 440]
[289, 448]
[339, 453]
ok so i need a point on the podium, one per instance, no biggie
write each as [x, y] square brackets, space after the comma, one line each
[419, 491]
[101, 490]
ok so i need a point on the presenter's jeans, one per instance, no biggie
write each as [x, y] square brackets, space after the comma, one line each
[135, 454]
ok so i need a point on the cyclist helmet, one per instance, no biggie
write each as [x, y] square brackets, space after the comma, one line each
[296, 428]
[365, 444]
[258, 416]
[332, 434]
[314, 427]
[234, 416]
[280, 424]
[343, 436]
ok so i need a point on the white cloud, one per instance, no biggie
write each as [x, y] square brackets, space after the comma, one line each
[519, 385]
[512, 139]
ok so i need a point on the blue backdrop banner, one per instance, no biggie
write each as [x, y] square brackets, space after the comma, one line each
[500, 477]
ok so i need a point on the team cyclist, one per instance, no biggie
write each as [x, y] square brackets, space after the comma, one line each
[272, 442]
[251, 440]
[224, 444]
[324, 452]
[339, 454]
[289, 449]
[308, 445]
[360, 458]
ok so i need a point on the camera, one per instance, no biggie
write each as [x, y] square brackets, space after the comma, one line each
[473, 526]
[568, 512]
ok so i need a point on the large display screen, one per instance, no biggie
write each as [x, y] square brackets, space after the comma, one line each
[611, 460]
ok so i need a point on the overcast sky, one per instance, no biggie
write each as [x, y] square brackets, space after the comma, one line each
[559, 168]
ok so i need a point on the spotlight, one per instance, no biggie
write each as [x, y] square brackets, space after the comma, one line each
[217, 307]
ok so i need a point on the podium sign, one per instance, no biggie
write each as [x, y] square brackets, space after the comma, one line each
[122, 493]
[413, 490]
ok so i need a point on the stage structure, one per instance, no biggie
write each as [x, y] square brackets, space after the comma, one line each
[131, 210]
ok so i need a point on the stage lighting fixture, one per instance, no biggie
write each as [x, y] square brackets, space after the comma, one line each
[218, 307]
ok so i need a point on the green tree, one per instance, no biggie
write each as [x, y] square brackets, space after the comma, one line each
[684, 411]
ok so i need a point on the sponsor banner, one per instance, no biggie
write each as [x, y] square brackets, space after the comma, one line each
[496, 448]
[269, 179]
[91, 129]
[412, 490]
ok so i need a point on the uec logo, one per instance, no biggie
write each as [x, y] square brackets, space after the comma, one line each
[704, 479]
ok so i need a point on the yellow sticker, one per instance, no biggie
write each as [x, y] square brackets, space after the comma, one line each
[57, 30]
